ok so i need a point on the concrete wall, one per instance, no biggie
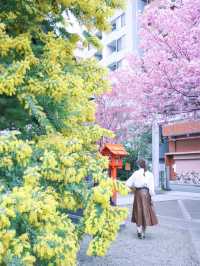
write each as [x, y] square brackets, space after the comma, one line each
[183, 166]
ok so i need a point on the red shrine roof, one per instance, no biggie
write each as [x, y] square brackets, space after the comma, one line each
[115, 149]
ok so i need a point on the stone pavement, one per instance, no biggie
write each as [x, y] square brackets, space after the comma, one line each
[184, 187]
[162, 196]
[174, 242]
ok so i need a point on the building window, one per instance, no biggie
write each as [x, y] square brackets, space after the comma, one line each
[123, 20]
[119, 63]
[118, 22]
[114, 25]
[114, 66]
[112, 46]
[98, 56]
[121, 43]
[117, 45]
[99, 35]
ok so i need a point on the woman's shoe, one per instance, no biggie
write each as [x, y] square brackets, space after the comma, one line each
[139, 235]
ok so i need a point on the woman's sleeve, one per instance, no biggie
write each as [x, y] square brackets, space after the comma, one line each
[131, 181]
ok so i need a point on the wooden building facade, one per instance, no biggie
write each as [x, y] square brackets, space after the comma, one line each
[183, 156]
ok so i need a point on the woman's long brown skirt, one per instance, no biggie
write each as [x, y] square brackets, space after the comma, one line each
[143, 210]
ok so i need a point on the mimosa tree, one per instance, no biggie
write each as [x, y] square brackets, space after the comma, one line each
[49, 145]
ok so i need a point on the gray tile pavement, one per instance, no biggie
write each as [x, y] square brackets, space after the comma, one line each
[174, 242]
[163, 246]
[163, 196]
[184, 187]
[193, 208]
[168, 208]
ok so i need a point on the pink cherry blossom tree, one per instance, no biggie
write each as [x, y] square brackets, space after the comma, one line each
[170, 40]
[165, 79]
[116, 109]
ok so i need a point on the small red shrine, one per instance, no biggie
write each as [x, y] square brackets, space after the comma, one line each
[115, 152]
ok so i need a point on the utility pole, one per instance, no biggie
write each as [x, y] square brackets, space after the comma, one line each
[155, 153]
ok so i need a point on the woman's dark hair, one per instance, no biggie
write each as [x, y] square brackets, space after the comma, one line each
[142, 164]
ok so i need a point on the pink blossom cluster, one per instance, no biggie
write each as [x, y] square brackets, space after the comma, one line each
[170, 40]
[116, 109]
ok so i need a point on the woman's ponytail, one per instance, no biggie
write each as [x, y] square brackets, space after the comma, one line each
[142, 164]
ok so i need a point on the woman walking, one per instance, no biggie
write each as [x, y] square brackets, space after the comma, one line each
[142, 181]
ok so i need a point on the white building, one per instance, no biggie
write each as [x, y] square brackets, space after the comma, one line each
[123, 37]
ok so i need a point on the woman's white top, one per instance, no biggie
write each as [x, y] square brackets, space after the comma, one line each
[140, 179]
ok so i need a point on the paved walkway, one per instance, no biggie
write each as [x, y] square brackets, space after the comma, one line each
[161, 196]
[184, 187]
[174, 242]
